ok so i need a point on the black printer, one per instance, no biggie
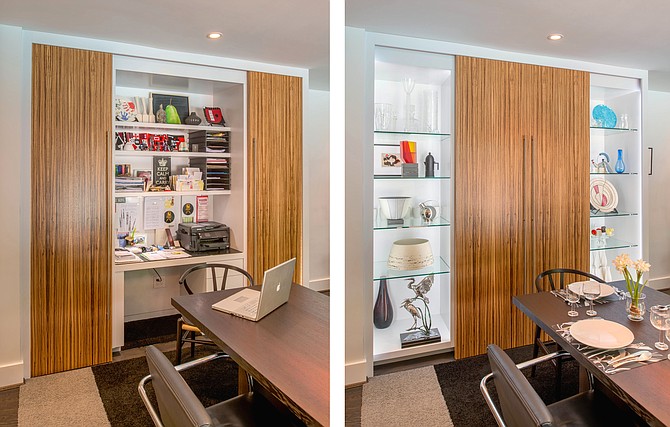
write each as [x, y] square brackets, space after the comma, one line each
[204, 236]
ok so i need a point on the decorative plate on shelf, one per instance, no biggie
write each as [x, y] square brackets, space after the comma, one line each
[603, 195]
[604, 116]
[125, 109]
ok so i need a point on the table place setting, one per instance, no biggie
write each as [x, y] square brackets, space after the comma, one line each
[609, 345]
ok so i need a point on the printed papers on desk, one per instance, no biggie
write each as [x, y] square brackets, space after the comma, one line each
[164, 254]
[123, 256]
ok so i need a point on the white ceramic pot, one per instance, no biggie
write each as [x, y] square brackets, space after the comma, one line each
[395, 207]
[410, 254]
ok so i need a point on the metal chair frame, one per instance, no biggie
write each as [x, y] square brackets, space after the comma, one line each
[153, 413]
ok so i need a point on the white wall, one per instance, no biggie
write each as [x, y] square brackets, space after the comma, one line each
[358, 195]
[657, 136]
[11, 69]
[317, 151]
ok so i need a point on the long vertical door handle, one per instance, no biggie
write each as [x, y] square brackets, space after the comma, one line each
[532, 212]
[523, 212]
[255, 211]
[651, 160]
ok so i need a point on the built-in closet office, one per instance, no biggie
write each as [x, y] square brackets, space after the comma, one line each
[79, 296]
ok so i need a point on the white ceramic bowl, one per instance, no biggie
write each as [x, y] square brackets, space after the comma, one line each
[410, 254]
[395, 207]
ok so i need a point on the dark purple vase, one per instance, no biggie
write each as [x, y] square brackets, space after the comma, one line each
[383, 311]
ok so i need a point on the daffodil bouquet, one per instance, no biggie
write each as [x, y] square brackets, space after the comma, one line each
[634, 286]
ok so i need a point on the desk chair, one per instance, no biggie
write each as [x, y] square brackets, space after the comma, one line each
[179, 407]
[186, 331]
[540, 285]
[522, 406]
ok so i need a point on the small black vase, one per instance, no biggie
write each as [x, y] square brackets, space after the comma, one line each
[383, 311]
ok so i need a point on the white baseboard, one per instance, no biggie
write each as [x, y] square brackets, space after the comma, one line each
[320, 284]
[355, 373]
[11, 375]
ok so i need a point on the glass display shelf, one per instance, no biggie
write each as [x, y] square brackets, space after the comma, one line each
[381, 270]
[601, 244]
[611, 214]
[400, 132]
[383, 224]
[611, 131]
[410, 177]
[610, 174]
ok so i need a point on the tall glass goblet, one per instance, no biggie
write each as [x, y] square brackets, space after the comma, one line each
[408, 84]
[658, 316]
[572, 295]
[591, 291]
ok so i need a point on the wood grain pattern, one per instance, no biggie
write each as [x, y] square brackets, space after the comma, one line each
[70, 208]
[275, 172]
[287, 352]
[516, 212]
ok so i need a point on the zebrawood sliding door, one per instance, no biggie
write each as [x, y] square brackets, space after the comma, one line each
[275, 172]
[521, 182]
[70, 209]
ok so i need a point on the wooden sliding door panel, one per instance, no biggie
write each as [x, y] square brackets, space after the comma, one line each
[275, 172]
[70, 228]
[488, 223]
[560, 185]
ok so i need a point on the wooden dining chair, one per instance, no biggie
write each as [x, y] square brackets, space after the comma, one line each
[520, 405]
[220, 277]
[553, 280]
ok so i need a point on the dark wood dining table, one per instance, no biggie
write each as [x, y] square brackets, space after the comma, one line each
[645, 389]
[287, 351]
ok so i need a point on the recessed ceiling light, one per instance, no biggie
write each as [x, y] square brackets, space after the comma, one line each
[214, 36]
[555, 37]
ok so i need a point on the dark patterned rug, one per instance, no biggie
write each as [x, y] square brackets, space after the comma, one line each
[117, 383]
[459, 381]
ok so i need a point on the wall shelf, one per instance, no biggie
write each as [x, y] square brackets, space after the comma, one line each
[381, 270]
[124, 126]
[610, 243]
[187, 154]
[383, 224]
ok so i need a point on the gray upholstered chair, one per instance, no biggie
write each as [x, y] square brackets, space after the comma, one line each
[179, 407]
[220, 273]
[521, 406]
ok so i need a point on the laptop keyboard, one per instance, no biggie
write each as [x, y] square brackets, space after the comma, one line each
[250, 308]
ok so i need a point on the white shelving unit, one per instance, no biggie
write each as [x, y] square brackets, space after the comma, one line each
[429, 125]
[623, 96]
[134, 293]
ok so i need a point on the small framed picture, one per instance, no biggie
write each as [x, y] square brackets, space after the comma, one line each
[179, 102]
[147, 175]
[387, 160]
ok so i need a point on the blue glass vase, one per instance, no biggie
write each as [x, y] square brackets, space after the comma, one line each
[620, 165]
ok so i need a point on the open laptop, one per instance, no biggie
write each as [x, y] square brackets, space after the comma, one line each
[252, 304]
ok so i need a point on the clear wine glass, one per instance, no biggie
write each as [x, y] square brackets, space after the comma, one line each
[591, 291]
[572, 294]
[408, 84]
[658, 316]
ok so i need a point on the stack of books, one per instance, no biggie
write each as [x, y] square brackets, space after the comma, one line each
[129, 184]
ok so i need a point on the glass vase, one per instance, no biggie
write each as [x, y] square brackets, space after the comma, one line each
[636, 307]
[383, 310]
[620, 166]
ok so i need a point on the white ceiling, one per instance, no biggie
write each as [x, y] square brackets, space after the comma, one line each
[626, 33]
[287, 32]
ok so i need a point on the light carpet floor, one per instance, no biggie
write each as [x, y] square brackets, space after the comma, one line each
[64, 399]
[416, 400]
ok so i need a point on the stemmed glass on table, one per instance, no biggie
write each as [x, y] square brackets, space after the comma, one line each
[591, 291]
[659, 316]
[572, 294]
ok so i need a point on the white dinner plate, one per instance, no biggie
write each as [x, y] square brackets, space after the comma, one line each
[605, 290]
[600, 333]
